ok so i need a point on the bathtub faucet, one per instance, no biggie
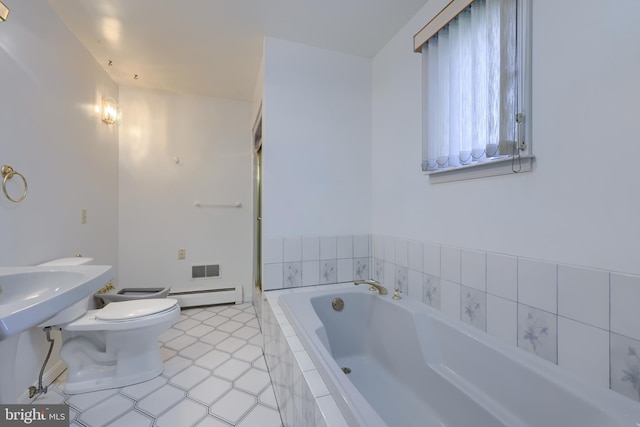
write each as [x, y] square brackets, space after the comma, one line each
[374, 286]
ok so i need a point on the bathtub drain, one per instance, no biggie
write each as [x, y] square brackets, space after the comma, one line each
[337, 304]
[346, 370]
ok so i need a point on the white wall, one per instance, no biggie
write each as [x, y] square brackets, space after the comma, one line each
[51, 132]
[515, 246]
[579, 205]
[317, 141]
[212, 140]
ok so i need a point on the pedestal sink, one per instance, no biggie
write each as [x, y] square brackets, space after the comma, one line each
[31, 295]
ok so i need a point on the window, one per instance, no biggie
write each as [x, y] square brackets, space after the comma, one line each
[475, 97]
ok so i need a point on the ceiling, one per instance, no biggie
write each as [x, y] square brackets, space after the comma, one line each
[214, 47]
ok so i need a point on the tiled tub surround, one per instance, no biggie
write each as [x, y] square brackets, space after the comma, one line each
[291, 262]
[584, 320]
[214, 375]
[303, 398]
[435, 367]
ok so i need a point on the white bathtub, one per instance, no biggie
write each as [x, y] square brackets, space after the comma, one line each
[410, 366]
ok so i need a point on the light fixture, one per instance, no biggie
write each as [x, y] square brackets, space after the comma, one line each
[4, 12]
[110, 111]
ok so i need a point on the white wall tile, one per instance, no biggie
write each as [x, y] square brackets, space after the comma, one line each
[345, 247]
[311, 248]
[361, 268]
[473, 307]
[316, 384]
[415, 256]
[474, 269]
[378, 246]
[625, 364]
[377, 270]
[292, 249]
[401, 280]
[345, 270]
[538, 284]
[361, 246]
[625, 295]
[431, 262]
[310, 273]
[502, 276]
[538, 332]
[416, 290]
[389, 276]
[402, 253]
[292, 272]
[272, 276]
[272, 250]
[328, 271]
[432, 292]
[584, 350]
[450, 299]
[330, 412]
[450, 264]
[328, 247]
[502, 319]
[390, 249]
[583, 295]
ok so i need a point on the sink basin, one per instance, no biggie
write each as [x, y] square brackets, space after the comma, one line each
[32, 295]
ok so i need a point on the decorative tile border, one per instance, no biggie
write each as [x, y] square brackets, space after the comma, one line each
[538, 332]
[292, 262]
[625, 366]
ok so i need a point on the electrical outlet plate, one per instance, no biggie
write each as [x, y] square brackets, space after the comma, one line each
[182, 254]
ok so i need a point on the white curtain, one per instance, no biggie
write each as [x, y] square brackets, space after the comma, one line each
[469, 86]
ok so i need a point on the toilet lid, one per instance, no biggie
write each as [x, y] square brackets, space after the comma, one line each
[135, 308]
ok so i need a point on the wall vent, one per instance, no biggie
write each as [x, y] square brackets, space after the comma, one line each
[203, 271]
[198, 272]
[213, 270]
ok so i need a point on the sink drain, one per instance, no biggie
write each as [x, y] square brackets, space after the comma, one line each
[346, 370]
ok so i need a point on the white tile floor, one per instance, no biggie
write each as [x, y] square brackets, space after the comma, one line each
[215, 376]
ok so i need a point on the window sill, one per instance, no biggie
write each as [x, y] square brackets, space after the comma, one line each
[501, 166]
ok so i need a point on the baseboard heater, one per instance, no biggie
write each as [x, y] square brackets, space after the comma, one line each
[208, 297]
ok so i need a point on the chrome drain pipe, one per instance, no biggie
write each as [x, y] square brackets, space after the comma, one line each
[40, 389]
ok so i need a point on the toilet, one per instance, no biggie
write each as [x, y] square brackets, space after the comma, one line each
[114, 346]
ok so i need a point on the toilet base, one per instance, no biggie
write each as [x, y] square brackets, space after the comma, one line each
[110, 382]
[128, 353]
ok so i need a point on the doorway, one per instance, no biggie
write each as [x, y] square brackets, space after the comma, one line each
[257, 210]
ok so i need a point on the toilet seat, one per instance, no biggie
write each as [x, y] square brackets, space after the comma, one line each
[126, 310]
[158, 311]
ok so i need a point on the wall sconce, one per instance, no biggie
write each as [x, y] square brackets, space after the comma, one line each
[111, 113]
[4, 12]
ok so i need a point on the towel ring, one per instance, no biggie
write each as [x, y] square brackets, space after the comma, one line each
[7, 174]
